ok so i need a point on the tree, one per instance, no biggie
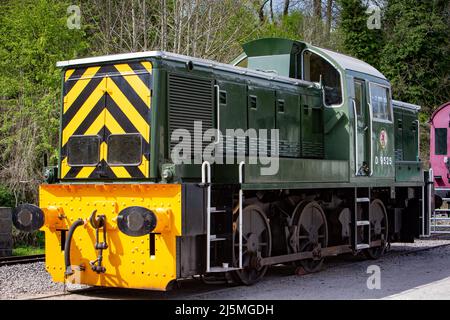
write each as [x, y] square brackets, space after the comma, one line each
[356, 38]
[35, 36]
[416, 57]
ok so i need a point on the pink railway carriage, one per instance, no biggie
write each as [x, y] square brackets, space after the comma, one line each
[440, 151]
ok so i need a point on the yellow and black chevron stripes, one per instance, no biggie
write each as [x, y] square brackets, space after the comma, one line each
[105, 100]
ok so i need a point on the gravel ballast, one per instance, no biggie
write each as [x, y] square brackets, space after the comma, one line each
[407, 271]
[26, 280]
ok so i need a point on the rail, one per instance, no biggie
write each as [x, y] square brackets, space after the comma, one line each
[7, 261]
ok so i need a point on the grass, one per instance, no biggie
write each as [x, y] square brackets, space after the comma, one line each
[26, 251]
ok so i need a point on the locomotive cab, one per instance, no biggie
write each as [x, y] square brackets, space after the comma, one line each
[356, 102]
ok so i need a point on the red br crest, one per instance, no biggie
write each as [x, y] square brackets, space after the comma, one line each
[383, 139]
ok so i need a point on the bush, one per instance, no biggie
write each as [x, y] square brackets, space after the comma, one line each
[25, 239]
[6, 197]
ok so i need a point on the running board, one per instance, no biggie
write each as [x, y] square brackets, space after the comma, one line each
[221, 269]
[324, 252]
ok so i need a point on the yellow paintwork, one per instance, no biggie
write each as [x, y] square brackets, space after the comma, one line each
[78, 87]
[127, 260]
[105, 118]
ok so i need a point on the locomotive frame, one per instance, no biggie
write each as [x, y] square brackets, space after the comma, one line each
[349, 181]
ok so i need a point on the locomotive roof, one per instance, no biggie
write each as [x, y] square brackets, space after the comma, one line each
[350, 63]
[406, 105]
[182, 58]
[438, 109]
[277, 46]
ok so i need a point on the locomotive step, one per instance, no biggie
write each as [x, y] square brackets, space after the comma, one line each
[214, 238]
[363, 223]
[361, 246]
[222, 269]
[359, 200]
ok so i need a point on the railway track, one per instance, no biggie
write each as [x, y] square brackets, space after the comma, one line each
[196, 288]
[8, 261]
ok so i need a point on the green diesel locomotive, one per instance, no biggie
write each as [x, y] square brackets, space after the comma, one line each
[289, 154]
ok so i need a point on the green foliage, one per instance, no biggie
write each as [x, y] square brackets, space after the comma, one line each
[290, 26]
[26, 239]
[27, 251]
[295, 25]
[6, 197]
[35, 37]
[357, 39]
[416, 57]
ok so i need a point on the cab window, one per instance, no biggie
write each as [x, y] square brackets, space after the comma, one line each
[440, 141]
[316, 69]
[124, 149]
[83, 151]
[380, 100]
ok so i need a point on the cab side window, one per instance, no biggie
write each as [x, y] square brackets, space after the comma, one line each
[380, 100]
[440, 141]
[318, 69]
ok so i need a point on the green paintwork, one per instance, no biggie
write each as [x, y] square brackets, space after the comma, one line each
[274, 55]
[410, 136]
[304, 170]
[287, 120]
[408, 167]
[232, 115]
[261, 115]
[272, 46]
[408, 171]
[279, 64]
[303, 122]
[312, 127]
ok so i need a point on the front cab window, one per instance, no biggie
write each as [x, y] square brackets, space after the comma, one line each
[83, 151]
[316, 69]
[124, 149]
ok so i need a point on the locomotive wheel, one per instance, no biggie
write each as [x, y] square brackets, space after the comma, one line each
[378, 229]
[256, 243]
[312, 230]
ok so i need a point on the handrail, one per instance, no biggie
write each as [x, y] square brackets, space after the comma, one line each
[216, 86]
[370, 139]
[431, 214]
[356, 136]
[418, 139]
[206, 178]
[241, 195]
